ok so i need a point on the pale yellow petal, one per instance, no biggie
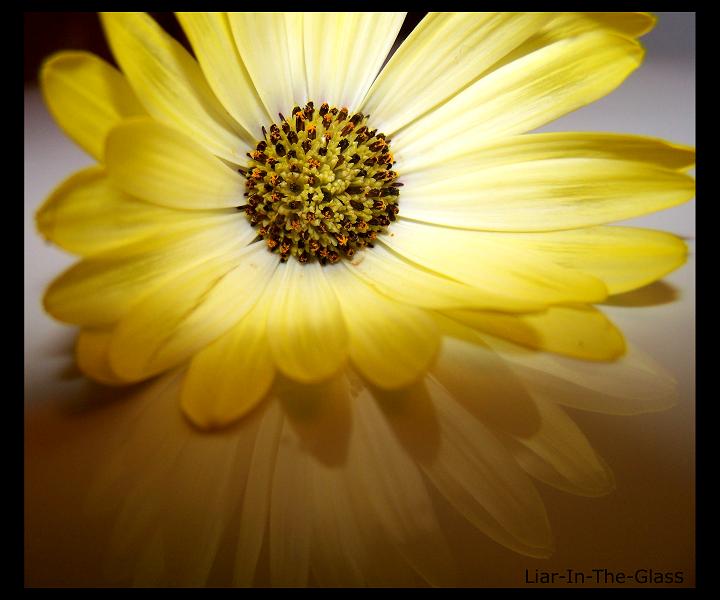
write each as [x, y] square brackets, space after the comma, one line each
[99, 290]
[188, 312]
[230, 376]
[86, 96]
[581, 332]
[306, 329]
[162, 165]
[86, 214]
[560, 455]
[624, 258]
[418, 170]
[444, 54]
[410, 283]
[522, 95]
[170, 84]
[344, 53]
[546, 195]
[271, 47]
[491, 263]
[391, 344]
[214, 47]
[91, 353]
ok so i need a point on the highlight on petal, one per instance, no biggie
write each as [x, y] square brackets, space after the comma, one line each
[578, 331]
[87, 97]
[170, 84]
[230, 376]
[101, 289]
[344, 53]
[188, 312]
[305, 326]
[545, 195]
[87, 214]
[523, 95]
[444, 54]
[391, 344]
[493, 264]
[271, 47]
[162, 165]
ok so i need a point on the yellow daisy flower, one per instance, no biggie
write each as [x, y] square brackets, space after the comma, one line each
[213, 231]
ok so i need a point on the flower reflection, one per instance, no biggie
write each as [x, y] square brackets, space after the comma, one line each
[339, 484]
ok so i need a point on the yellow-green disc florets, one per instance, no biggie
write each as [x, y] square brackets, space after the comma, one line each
[320, 185]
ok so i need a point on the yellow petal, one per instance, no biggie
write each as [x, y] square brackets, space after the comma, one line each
[214, 46]
[545, 146]
[228, 378]
[174, 322]
[344, 53]
[101, 289]
[624, 258]
[86, 96]
[162, 165]
[409, 283]
[444, 54]
[271, 47]
[91, 353]
[306, 329]
[546, 195]
[170, 84]
[391, 344]
[492, 263]
[522, 95]
[87, 214]
[580, 331]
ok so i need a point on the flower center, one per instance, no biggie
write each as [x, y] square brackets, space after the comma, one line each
[320, 186]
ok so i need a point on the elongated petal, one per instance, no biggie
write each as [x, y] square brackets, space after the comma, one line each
[306, 329]
[214, 46]
[408, 282]
[170, 84]
[479, 477]
[86, 97]
[103, 288]
[522, 95]
[444, 54]
[162, 165]
[624, 258]
[344, 52]
[271, 47]
[91, 352]
[493, 264]
[581, 332]
[546, 195]
[230, 377]
[87, 215]
[560, 455]
[391, 344]
[417, 170]
[187, 313]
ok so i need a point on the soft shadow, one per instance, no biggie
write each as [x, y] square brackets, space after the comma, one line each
[655, 294]
[320, 415]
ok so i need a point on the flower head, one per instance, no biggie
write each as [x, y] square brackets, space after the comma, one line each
[245, 244]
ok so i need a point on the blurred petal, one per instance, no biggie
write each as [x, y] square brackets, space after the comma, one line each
[91, 352]
[87, 97]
